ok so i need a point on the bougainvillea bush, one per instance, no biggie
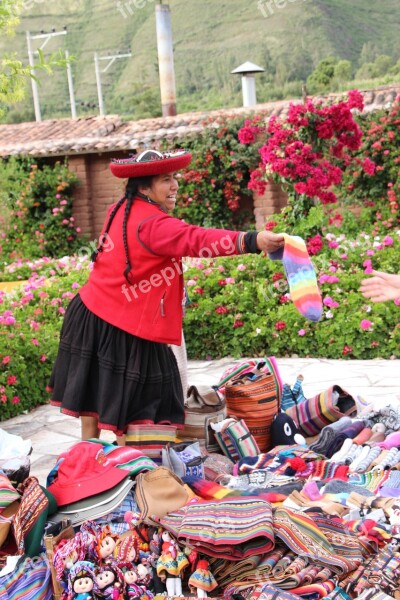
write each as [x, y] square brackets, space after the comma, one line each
[214, 185]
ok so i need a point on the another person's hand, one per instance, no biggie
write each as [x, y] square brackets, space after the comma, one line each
[267, 241]
[381, 287]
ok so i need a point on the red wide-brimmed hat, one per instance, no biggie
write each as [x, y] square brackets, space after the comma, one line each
[150, 162]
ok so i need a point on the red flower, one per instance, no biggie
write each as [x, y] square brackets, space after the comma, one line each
[237, 324]
[222, 282]
[11, 379]
[277, 276]
[221, 310]
[315, 244]
[199, 290]
[269, 225]
[280, 325]
[347, 350]
[15, 400]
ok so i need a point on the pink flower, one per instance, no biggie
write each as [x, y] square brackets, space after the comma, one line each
[221, 268]
[230, 280]
[6, 360]
[15, 400]
[241, 267]
[58, 196]
[3, 398]
[35, 342]
[221, 310]
[43, 358]
[366, 325]
[301, 332]
[387, 241]
[328, 301]
[191, 282]
[75, 285]
[61, 310]
[333, 244]
[11, 380]
[280, 325]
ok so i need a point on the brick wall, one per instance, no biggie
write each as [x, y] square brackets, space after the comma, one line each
[272, 201]
[97, 189]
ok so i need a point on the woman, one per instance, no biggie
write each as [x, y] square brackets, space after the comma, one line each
[114, 365]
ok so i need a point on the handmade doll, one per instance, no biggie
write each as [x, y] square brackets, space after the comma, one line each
[144, 576]
[90, 531]
[171, 564]
[106, 543]
[81, 581]
[66, 554]
[155, 551]
[126, 550]
[202, 580]
[133, 591]
[139, 530]
[110, 582]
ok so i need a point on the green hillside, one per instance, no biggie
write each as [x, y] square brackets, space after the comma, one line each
[211, 37]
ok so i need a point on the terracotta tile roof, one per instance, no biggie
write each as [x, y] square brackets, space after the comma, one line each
[59, 137]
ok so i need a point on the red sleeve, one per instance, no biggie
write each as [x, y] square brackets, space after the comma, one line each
[165, 235]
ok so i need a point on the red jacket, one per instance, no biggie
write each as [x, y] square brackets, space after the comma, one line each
[151, 307]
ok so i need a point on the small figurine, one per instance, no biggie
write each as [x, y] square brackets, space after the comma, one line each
[67, 553]
[110, 582]
[126, 550]
[90, 531]
[106, 543]
[81, 581]
[133, 591]
[202, 580]
[171, 564]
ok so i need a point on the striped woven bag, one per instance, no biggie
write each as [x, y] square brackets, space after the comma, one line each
[255, 397]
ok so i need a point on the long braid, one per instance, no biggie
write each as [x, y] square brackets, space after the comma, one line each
[131, 190]
[105, 234]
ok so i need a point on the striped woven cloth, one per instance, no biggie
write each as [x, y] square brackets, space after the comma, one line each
[7, 492]
[324, 540]
[232, 528]
[30, 580]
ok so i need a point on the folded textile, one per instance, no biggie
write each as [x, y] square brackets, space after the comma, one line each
[363, 436]
[328, 434]
[340, 487]
[349, 432]
[364, 464]
[233, 528]
[210, 490]
[322, 539]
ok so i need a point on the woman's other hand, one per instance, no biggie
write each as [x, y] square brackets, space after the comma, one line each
[267, 241]
[381, 287]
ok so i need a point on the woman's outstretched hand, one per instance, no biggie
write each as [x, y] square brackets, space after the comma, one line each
[381, 287]
[267, 241]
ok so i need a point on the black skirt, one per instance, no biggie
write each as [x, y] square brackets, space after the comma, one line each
[105, 372]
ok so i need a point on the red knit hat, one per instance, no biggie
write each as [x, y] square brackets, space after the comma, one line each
[150, 162]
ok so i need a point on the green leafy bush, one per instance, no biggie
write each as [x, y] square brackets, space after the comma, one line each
[40, 220]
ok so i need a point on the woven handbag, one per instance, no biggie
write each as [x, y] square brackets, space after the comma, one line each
[312, 415]
[202, 408]
[255, 397]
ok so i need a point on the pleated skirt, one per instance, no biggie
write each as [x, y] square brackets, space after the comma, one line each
[118, 378]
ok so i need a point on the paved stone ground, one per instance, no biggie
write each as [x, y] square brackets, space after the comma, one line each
[375, 380]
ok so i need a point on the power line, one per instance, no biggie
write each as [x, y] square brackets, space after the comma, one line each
[111, 59]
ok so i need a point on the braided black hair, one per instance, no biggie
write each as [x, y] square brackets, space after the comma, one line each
[131, 190]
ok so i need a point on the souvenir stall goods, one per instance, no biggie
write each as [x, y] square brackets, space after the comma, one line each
[323, 409]
[203, 408]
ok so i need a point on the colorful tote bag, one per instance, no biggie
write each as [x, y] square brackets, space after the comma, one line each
[254, 396]
[312, 415]
[151, 439]
[236, 441]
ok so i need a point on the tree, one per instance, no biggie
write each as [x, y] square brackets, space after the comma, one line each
[13, 73]
[383, 62]
[343, 70]
[322, 76]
